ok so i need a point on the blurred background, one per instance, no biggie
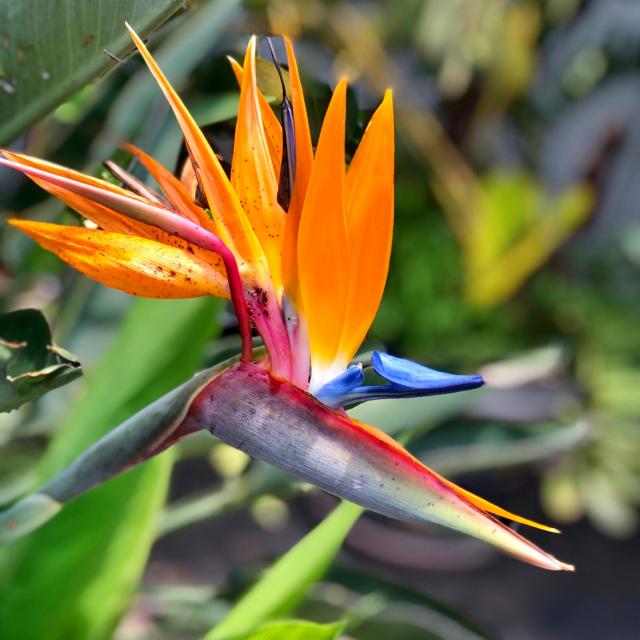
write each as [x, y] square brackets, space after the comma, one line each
[516, 254]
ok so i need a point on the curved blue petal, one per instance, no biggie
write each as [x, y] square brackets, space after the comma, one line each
[406, 374]
[407, 379]
[334, 392]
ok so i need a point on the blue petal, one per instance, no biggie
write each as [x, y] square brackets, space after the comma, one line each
[406, 375]
[334, 392]
[407, 380]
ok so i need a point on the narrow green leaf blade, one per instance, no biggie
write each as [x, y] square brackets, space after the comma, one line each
[287, 581]
[294, 630]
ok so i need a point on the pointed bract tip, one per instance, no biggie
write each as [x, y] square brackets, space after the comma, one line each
[252, 46]
[17, 223]
[136, 38]
[548, 562]
[287, 40]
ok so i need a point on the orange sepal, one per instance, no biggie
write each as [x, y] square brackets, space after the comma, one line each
[323, 257]
[101, 215]
[188, 178]
[137, 266]
[173, 189]
[252, 174]
[304, 163]
[489, 507]
[369, 198]
[232, 225]
[272, 128]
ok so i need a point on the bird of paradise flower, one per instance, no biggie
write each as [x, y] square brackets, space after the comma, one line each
[300, 243]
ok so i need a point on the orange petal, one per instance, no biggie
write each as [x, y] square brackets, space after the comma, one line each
[188, 178]
[323, 257]
[102, 216]
[252, 174]
[272, 128]
[59, 170]
[369, 227]
[232, 225]
[489, 507]
[136, 266]
[304, 162]
[97, 204]
[173, 189]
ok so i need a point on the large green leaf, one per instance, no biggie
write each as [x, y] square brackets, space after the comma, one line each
[52, 48]
[287, 581]
[73, 577]
[30, 365]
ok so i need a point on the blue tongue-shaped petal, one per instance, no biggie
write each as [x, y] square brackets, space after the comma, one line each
[333, 393]
[407, 380]
[406, 374]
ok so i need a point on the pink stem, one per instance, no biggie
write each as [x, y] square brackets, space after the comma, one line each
[267, 318]
[237, 298]
[164, 219]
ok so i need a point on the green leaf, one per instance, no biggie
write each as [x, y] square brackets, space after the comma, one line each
[98, 545]
[294, 630]
[286, 582]
[178, 54]
[52, 48]
[123, 447]
[30, 365]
